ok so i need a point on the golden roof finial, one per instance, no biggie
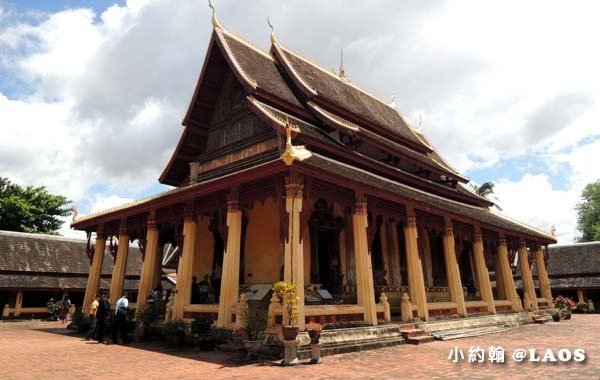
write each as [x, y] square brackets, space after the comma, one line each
[273, 39]
[74, 211]
[215, 22]
[292, 152]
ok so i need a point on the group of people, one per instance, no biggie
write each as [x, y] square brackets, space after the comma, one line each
[102, 318]
[201, 290]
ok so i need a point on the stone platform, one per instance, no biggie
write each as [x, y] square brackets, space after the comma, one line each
[343, 340]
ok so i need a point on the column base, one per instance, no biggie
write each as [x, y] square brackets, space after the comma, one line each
[290, 356]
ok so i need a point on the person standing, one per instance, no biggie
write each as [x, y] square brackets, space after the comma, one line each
[64, 309]
[120, 318]
[195, 291]
[92, 317]
[203, 286]
[102, 318]
[217, 281]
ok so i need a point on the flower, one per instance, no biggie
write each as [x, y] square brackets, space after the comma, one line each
[287, 295]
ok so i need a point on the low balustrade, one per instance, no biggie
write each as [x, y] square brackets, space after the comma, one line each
[329, 313]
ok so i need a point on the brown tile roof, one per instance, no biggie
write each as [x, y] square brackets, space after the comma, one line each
[22, 252]
[315, 132]
[36, 261]
[478, 214]
[574, 259]
[258, 66]
[347, 96]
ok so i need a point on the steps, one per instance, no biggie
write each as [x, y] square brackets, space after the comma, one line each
[540, 318]
[413, 335]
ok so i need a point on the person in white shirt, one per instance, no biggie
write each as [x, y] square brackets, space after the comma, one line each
[120, 319]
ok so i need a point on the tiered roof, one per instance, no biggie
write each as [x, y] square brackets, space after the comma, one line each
[282, 87]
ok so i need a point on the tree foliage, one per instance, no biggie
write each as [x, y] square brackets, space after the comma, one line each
[486, 190]
[588, 212]
[30, 209]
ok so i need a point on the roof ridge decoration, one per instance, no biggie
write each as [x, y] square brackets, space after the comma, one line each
[275, 43]
[291, 152]
[250, 81]
[503, 216]
[215, 22]
[334, 75]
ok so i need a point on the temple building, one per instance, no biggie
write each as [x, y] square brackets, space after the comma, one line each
[574, 271]
[35, 268]
[285, 170]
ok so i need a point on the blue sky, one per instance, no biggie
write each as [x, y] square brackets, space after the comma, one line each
[92, 93]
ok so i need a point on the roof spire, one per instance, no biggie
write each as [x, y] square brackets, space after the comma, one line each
[420, 125]
[393, 102]
[341, 71]
[273, 39]
[215, 22]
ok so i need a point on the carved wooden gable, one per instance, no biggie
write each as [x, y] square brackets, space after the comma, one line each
[232, 122]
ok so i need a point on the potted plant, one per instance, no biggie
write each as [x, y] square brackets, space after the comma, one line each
[149, 315]
[581, 307]
[564, 306]
[53, 309]
[201, 330]
[288, 297]
[314, 331]
[255, 324]
[173, 332]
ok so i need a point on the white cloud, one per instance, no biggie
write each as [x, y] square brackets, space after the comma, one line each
[103, 203]
[533, 201]
[102, 97]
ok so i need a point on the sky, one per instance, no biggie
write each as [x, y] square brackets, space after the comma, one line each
[92, 93]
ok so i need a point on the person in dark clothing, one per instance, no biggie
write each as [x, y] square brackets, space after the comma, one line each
[102, 318]
[216, 281]
[195, 291]
[120, 320]
[203, 286]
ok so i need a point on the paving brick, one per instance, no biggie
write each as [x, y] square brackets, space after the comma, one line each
[47, 350]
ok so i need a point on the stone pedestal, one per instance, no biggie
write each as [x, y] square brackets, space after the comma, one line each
[315, 353]
[290, 355]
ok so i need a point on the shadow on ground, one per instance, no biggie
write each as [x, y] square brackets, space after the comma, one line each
[225, 359]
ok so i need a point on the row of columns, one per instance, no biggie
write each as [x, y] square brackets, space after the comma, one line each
[294, 262]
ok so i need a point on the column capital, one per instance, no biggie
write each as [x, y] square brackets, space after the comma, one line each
[522, 243]
[411, 218]
[188, 212]
[477, 235]
[100, 232]
[294, 184]
[233, 199]
[151, 223]
[448, 226]
[360, 207]
[502, 240]
[123, 227]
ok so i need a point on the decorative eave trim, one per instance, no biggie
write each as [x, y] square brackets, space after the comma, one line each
[275, 120]
[454, 215]
[300, 82]
[333, 118]
[229, 53]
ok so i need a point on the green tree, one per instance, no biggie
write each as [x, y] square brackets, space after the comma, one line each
[486, 190]
[588, 212]
[30, 209]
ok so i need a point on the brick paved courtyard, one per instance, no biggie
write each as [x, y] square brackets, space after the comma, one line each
[45, 350]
